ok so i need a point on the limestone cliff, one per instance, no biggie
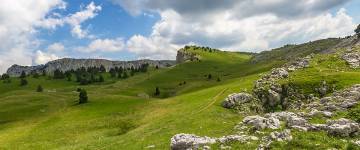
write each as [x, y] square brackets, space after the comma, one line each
[66, 64]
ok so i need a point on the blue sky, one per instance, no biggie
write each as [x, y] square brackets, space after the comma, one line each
[37, 31]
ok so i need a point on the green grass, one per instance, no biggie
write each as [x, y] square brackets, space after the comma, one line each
[117, 118]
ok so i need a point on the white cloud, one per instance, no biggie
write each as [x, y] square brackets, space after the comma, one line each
[17, 20]
[74, 20]
[56, 47]
[155, 47]
[236, 25]
[42, 57]
[104, 45]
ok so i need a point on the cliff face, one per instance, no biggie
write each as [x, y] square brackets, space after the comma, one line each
[66, 64]
[183, 56]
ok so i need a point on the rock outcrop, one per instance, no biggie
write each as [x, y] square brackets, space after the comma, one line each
[352, 58]
[183, 56]
[236, 100]
[67, 64]
[189, 141]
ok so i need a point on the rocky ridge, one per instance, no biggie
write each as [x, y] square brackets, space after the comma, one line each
[67, 64]
[268, 90]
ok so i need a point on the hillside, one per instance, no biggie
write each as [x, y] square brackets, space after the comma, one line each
[124, 113]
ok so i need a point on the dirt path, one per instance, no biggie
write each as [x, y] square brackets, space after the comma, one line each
[214, 99]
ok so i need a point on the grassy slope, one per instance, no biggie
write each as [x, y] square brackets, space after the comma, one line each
[116, 118]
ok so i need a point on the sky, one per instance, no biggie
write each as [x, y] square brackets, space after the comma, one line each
[33, 32]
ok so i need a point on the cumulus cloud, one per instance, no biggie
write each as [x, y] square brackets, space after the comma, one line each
[245, 25]
[42, 57]
[155, 47]
[21, 20]
[56, 47]
[17, 20]
[104, 45]
[74, 20]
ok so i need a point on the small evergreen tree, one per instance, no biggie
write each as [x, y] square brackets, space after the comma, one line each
[125, 75]
[36, 75]
[83, 98]
[157, 91]
[68, 75]
[218, 79]
[23, 82]
[102, 69]
[101, 78]
[112, 72]
[58, 74]
[23, 75]
[39, 88]
[209, 76]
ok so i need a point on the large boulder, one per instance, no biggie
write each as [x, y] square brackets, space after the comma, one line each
[279, 73]
[237, 99]
[342, 127]
[189, 141]
[261, 123]
[352, 58]
[281, 136]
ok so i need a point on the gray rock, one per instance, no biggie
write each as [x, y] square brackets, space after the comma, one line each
[281, 136]
[352, 58]
[183, 56]
[189, 141]
[237, 99]
[342, 127]
[261, 123]
[66, 64]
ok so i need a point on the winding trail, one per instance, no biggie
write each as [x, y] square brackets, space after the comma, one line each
[214, 99]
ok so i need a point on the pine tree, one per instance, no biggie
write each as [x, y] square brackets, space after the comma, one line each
[209, 76]
[83, 98]
[101, 78]
[23, 82]
[23, 75]
[39, 88]
[157, 91]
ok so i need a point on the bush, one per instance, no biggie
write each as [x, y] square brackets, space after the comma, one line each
[23, 82]
[209, 76]
[23, 75]
[39, 88]
[157, 91]
[83, 98]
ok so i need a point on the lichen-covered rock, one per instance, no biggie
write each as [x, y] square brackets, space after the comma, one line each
[352, 58]
[189, 141]
[236, 99]
[342, 127]
[279, 73]
[183, 56]
[281, 136]
[261, 123]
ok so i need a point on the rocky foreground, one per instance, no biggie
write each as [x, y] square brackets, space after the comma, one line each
[268, 91]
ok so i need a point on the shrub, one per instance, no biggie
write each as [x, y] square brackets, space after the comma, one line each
[157, 91]
[83, 98]
[23, 82]
[209, 76]
[39, 88]
[23, 75]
